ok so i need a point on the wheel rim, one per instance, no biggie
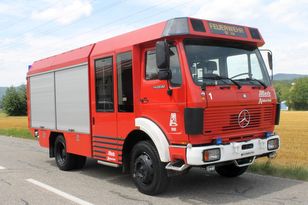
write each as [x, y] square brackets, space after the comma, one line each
[143, 169]
[61, 153]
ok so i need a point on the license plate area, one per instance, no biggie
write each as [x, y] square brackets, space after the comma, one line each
[247, 146]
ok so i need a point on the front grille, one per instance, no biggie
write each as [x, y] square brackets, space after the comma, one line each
[225, 119]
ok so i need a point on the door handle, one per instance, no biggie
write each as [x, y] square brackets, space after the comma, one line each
[144, 100]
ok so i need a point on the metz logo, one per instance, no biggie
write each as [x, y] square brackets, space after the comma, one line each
[111, 156]
[264, 97]
[111, 153]
[173, 120]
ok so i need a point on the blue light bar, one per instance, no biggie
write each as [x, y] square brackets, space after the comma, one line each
[176, 26]
[218, 141]
[268, 134]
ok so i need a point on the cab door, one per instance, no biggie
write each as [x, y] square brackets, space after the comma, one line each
[163, 101]
[104, 116]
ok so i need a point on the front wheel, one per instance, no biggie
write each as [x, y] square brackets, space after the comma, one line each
[230, 170]
[148, 172]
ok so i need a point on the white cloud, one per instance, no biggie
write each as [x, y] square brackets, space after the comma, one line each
[15, 60]
[291, 13]
[232, 10]
[65, 11]
[11, 9]
[4, 8]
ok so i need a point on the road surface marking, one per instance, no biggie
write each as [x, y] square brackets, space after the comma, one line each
[59, 192]
[2, 168]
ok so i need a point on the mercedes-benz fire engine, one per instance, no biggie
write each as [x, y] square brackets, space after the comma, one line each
[157, 101]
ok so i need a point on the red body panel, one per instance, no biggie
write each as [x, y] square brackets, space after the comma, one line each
[177, 153]
[70, 58]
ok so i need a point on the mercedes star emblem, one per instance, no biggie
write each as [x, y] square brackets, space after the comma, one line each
[243, 118]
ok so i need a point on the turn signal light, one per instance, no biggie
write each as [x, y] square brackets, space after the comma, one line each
[211, 155]
[36, 134]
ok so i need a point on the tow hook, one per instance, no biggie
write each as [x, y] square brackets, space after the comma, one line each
[272, 155]
[210, 168]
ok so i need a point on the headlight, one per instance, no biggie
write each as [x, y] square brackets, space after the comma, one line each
[211, 155]
[273, 144]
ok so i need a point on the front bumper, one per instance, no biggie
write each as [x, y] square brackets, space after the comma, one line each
[230, 152]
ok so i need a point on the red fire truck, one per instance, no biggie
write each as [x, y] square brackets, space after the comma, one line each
[157, 101]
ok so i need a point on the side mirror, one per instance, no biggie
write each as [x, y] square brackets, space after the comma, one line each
[163, 60]
[270, 60]
[164, 74]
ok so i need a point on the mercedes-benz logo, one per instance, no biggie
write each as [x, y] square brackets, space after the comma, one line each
[243, 118]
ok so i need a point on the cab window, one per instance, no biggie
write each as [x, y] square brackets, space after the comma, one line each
[151, 70]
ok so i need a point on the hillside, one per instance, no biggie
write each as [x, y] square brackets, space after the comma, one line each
[286, 76]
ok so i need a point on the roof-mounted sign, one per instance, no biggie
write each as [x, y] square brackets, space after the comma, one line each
[227, 29]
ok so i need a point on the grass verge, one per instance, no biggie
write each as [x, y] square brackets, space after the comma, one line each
[291, 172]
[17, 132]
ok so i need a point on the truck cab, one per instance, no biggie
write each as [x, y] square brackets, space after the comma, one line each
[210, 93]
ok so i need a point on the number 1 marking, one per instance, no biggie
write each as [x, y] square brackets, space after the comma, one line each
[210, 94]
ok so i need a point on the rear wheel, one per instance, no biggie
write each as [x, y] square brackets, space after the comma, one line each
[230, 170]
[66, 161]
[148, 172]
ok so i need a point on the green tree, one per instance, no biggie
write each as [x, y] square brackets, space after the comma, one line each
[282, 90]
[14, 101]
[299, 94]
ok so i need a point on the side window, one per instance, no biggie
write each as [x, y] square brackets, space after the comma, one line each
[125, 82]
[104, 85]
[151, 70]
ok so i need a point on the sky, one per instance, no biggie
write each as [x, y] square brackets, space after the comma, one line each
[36, 29]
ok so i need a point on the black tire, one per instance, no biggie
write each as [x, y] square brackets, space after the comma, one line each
[148, 172]
[230, 170]
[66, 161]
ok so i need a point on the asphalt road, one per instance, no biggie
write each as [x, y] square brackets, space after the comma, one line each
[28, 176]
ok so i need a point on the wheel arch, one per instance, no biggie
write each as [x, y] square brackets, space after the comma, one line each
[52, 139]
[148, 130]
[156, 134]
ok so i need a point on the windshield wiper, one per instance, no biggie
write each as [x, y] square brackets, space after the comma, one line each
[256, 80]
[218, 77]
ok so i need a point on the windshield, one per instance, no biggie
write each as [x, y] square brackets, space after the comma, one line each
[216, 62]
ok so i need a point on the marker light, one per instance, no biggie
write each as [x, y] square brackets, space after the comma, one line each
[36, 134]
[273, 144]
[268, 134]
[218, 141]
[211, 155]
